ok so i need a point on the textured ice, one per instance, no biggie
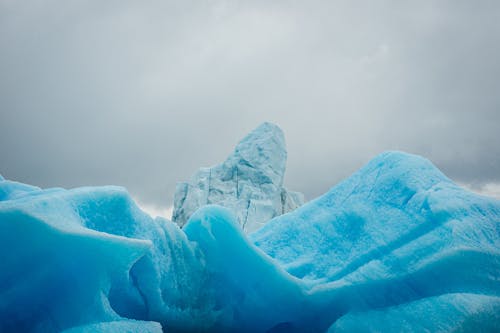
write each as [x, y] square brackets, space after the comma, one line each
[395, 247]
[122, 326]
[395, 232]
[460, 312]
[249, 182]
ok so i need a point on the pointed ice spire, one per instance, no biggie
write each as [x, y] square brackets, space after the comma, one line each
[263, 152]
[249, 182]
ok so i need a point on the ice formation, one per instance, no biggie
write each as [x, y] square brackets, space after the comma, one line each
[249, 182]
[395, 247]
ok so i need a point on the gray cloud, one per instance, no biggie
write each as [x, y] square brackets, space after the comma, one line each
[141, 94]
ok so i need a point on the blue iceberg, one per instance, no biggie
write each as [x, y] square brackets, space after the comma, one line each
[394, 243]
[395, 247]
[249, 182]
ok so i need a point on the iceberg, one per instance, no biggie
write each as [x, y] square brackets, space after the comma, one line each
[249, 182]
[61, 255]
[395, 247]
[393, 242]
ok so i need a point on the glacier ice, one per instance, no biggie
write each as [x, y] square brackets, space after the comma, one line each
[249, 182]
[454, 312]
[395, 247]
[125, 326]
[396, 232]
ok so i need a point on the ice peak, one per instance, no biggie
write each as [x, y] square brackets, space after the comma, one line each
[395, 169]
[249, 182]
[262, 151]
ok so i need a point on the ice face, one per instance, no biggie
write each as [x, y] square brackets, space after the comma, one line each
[395, 247]
[396, 232]
[454, 312]
[249, 182]
[129, 326]
[55, 271]
[74, 257]
[392, 206]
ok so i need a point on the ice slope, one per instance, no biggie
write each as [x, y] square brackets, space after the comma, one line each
[77, 257]
[445, 313]
[55, 272]
[121, 326]
[395, 247]
[396, 232]
[393, 205]
[249, 182]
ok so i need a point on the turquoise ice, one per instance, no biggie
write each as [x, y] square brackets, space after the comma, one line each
[395, 247]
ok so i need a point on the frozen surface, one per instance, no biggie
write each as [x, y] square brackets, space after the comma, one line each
[249, 182]
[396, 247]
[121, 326]
[462, 313]
[396, 232]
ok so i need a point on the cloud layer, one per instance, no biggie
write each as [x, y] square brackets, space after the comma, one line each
[141, 94]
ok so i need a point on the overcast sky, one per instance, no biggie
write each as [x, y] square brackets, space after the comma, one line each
[143, 93]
